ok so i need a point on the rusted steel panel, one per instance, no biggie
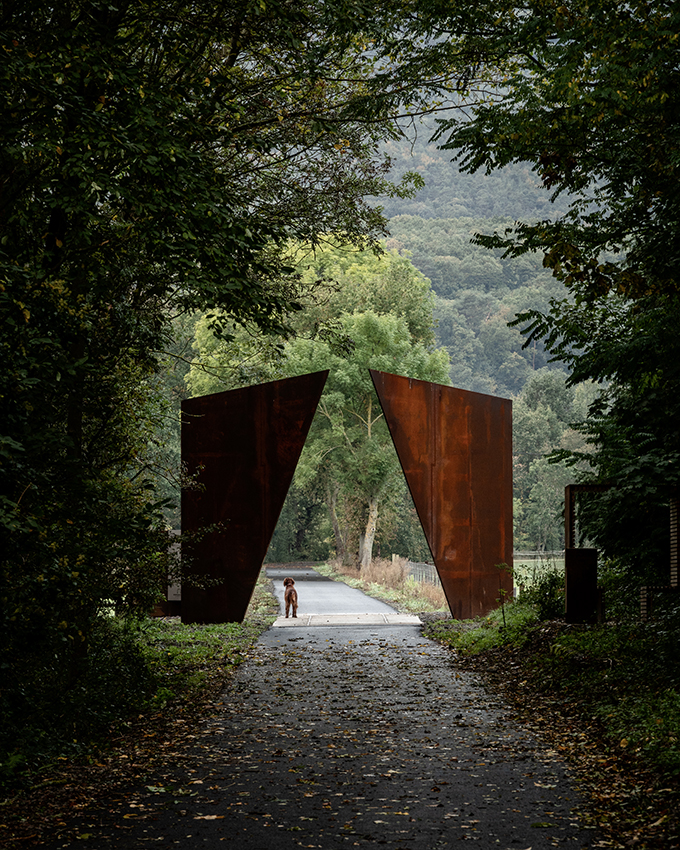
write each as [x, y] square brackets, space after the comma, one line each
[580, 585]
[455, 448]
[241, 447]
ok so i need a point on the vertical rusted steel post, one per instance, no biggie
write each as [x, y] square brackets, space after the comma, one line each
[239, 449]
[455, 448]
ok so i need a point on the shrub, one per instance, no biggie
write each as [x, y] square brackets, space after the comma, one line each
[50, 708]
[546, 594]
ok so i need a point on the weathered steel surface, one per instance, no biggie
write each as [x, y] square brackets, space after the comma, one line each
[241, 447]
[455, 448]
[580, 585]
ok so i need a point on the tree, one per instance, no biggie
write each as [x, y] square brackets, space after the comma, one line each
[155, 159]
[386, 283]
[382, 307]
[349, 446]
[589, 97]
[343, 279]
[544, 418]
[631, 434]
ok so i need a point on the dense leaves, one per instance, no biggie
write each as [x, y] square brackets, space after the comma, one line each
[155, 158]
[631, 434]
[349, 451]
[588, 97]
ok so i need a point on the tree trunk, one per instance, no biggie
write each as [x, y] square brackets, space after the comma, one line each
[369, 534]
[332, 491]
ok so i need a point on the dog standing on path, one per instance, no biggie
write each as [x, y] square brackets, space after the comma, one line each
[290, 596]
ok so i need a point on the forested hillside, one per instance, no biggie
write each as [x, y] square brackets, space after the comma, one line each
[514, 192]
[478, 293]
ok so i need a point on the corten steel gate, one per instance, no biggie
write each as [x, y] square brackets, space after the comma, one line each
[241, 448]
[455, 448]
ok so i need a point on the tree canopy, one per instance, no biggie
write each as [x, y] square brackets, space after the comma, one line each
[349, 448]
[383, 308]
[156, 158]
[587, 94]
[589, 97]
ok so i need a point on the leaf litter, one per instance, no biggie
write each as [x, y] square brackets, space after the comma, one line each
[381, 740]
[391, 741]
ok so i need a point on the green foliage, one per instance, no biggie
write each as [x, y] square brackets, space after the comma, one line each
[630, 437]
[581, 82]
[588, 99]
[478, 293]
[625, 674]
[359, 281]
[186, 659]
[155, 160]
[649, 726]
[54, 711]
[545, 417]
[349, 452]
[500, 628]
[451, 193]
[303, 532]
[629, 675]
[399, 530]
[50, 708]
[444, 250]
[545, 593]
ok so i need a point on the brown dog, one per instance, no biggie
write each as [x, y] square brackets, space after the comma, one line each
[290, 596]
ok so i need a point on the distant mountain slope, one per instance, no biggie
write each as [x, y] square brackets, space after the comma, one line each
[513, 192]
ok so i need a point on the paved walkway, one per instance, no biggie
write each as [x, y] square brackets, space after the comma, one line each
[352, 736]
[318, 594]
[324, 602]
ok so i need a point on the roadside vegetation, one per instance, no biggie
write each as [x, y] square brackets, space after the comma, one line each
[604, 696]
[165, 670]
[624, 673]
[389, 580]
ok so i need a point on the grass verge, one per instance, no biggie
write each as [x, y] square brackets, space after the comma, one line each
[387, 581]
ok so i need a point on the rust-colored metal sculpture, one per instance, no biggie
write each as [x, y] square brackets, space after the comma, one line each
[455, 448]
[240, 449]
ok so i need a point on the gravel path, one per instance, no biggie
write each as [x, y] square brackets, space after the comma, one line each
[349, 737]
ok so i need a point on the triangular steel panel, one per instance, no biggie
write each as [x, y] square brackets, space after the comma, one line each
[239, 449]
[455, 448]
